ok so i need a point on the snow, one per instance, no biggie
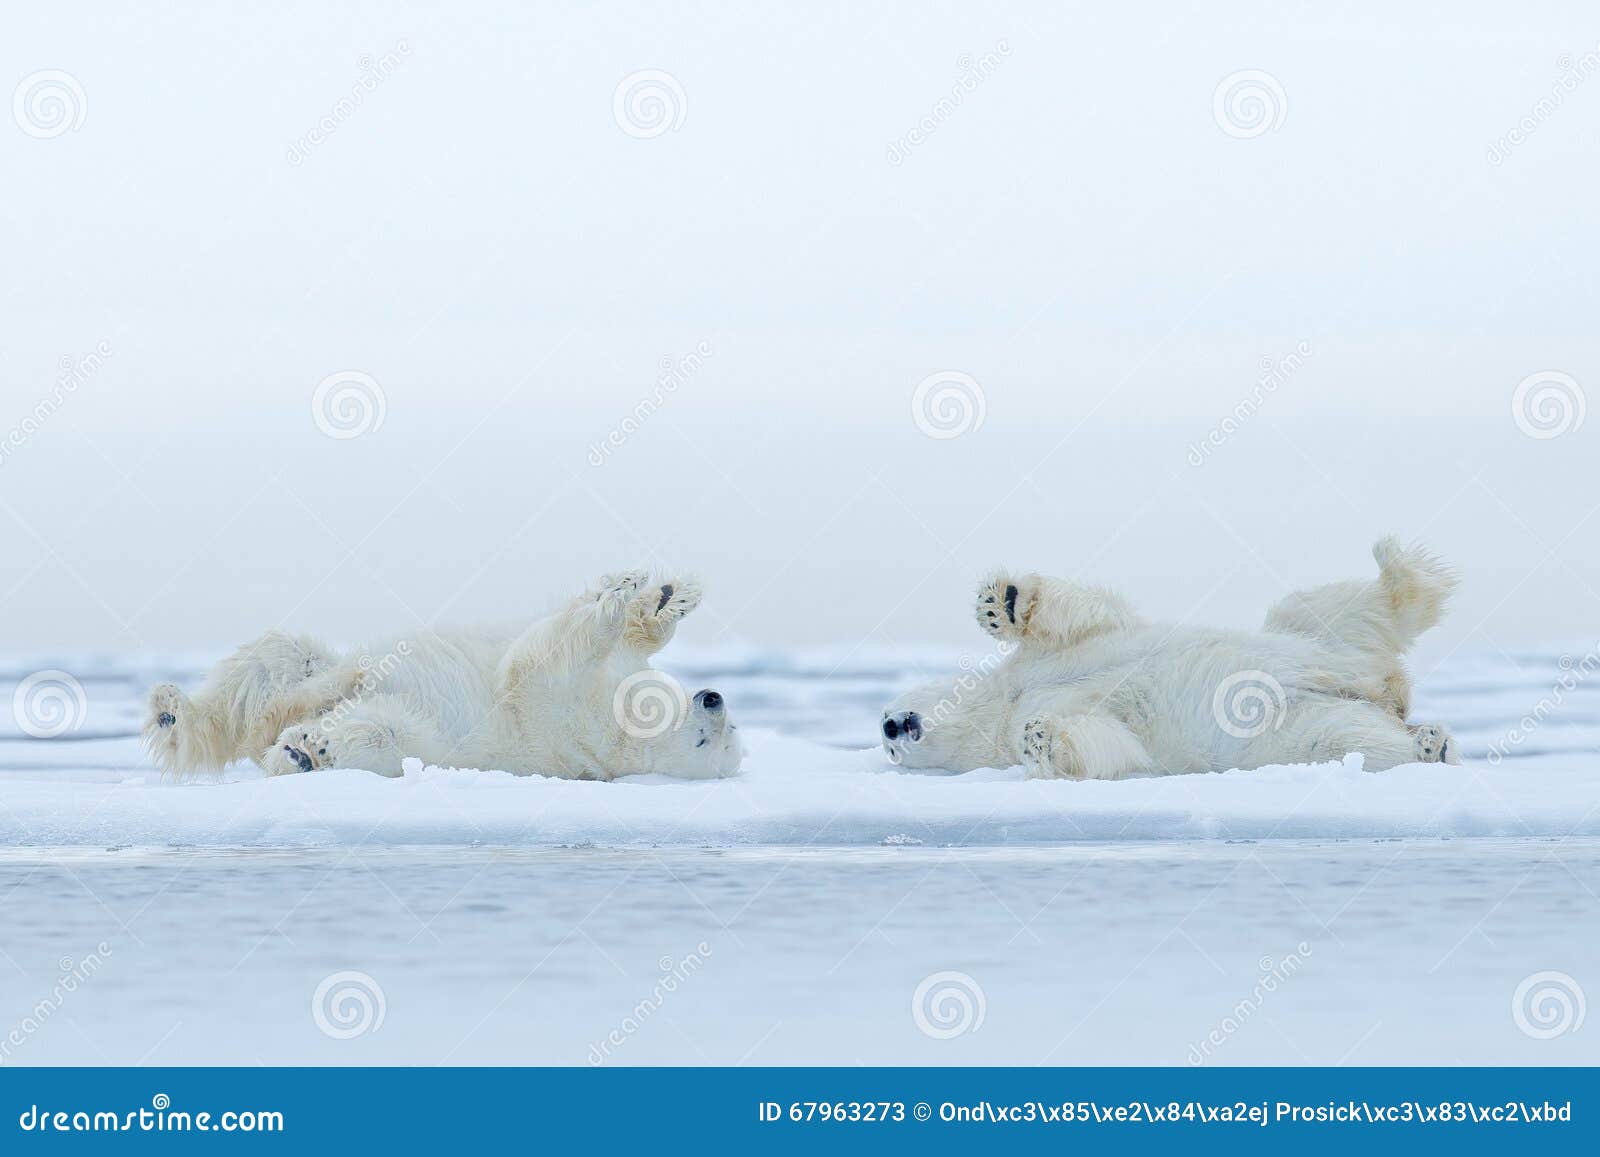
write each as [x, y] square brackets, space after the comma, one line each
[796, 792]
[804, 784]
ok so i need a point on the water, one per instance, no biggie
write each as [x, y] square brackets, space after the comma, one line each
[1358, 952]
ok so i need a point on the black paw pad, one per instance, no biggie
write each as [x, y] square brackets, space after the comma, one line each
[1011, 602]
[166, 719]
[666, 593]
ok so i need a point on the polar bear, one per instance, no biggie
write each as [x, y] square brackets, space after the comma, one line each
[1087, 690]
[572, 696]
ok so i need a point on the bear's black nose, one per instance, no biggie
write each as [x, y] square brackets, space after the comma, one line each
[710, 700]
[906, 723]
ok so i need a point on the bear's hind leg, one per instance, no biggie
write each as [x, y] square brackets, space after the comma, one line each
[1433, 743]
[374, 734]
[1320, 728]
[245, 701]
[1377, 620]
[185, 736]
[1081, 747]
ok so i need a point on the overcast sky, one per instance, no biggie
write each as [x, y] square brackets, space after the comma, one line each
[1091, 228]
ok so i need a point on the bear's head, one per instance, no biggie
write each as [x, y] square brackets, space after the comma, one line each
[955, 724]
[666, 731]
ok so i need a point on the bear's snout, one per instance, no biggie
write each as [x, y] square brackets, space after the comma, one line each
[907, 723]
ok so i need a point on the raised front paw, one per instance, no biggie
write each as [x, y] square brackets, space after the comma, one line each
[299, 749]
[619, 587]
[655, 609]
[670, 601]
[1048, 751]
[1005, 603]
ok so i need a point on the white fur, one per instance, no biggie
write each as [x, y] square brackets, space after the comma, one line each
[1091, 691]
[572, 696]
